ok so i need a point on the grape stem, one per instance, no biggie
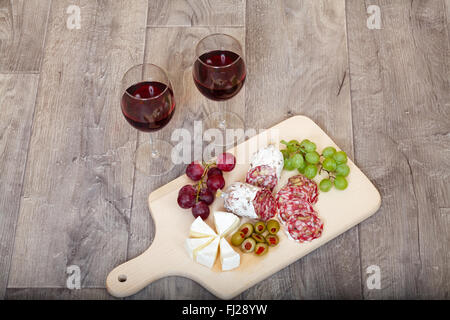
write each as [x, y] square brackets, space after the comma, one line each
[330, 175]
[202, 179]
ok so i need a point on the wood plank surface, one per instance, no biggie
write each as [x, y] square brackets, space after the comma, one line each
[400, 95]
[297, 64]
[69, 191]
[15, 130]
[173, 49]
[196, 13]
[58, 294]
[79, 178]
[23, 26]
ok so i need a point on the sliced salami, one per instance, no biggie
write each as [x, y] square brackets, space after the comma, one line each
[289, 192]
[265, 204]
[303, 228]
[307, 186]
[262, 176]
[292, 207]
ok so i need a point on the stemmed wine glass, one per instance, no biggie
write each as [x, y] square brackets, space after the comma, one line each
[148, 104]
[219, 73]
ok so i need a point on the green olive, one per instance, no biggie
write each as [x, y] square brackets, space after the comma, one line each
[261, 249]
[258, 237]
[237, 238]
[273, 226]
[248, 245]
[247, 229]
[272, 240]
[260, 227]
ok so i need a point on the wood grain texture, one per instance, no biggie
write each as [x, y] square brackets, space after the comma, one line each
[79, 178]
[297, 64]
[173, 49]
[23, 26]
[196, 13]
[15, 130]
[401, 95]
[57, 294]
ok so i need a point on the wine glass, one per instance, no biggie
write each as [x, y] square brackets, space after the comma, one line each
[148, 104]
[219, 73]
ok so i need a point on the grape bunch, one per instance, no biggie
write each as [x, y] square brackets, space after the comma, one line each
[209, 178]
[304, 157]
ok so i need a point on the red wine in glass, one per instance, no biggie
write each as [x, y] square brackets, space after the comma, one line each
[219, 74]
[148, 106]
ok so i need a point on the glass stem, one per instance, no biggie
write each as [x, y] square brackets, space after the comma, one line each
[154, 152]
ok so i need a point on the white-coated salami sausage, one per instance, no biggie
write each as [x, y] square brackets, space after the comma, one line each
[268, 156]
[249, 201]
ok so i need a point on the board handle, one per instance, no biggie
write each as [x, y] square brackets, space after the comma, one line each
[134, 275]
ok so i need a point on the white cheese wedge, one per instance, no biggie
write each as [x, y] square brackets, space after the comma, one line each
[207, 256]
[229, 258]
[225, 222]
[194, 245]
[199, 229]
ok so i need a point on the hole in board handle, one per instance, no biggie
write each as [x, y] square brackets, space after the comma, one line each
[122, 278]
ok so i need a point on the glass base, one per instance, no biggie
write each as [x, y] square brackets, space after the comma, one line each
[154, 159]
[230, 126]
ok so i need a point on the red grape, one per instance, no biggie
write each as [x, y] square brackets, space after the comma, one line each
[215, 182]
[206, 196]
[200, 209]
[226, 162]
[195, 171]
[186, 197]
[213, 171]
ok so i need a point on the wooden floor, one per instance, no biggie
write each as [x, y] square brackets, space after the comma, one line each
[69, 191]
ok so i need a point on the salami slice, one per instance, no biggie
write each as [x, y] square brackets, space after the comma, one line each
[265, 204]
[303, 228]
[289, 192]
[307, 186]
[262, 176]
[292, 207]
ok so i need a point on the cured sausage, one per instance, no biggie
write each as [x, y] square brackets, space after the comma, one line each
[293, 206]
[303, 228]
[305, 186]
[268, 156]
[262, 176]
[265, 204]
[249, 201]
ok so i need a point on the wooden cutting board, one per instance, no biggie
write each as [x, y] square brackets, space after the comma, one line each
[339, 210]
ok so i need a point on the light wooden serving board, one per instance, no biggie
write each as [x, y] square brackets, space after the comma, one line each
[339, 210]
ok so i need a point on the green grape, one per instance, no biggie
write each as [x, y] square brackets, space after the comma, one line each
[340, 157]
[292, 148]
[310, 171]
[312, 157]
[289, 164]
[298, 161]
[342, 170]
[328, 152]
[325, 185]
[308, 145]
[340, 183]
[285, 153]
[302, 170]
[329, 164]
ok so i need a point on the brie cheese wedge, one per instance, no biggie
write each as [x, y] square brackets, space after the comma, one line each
[207, 256]
[225, 222]
[229, 258]
[199, 229]
[194, 245]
